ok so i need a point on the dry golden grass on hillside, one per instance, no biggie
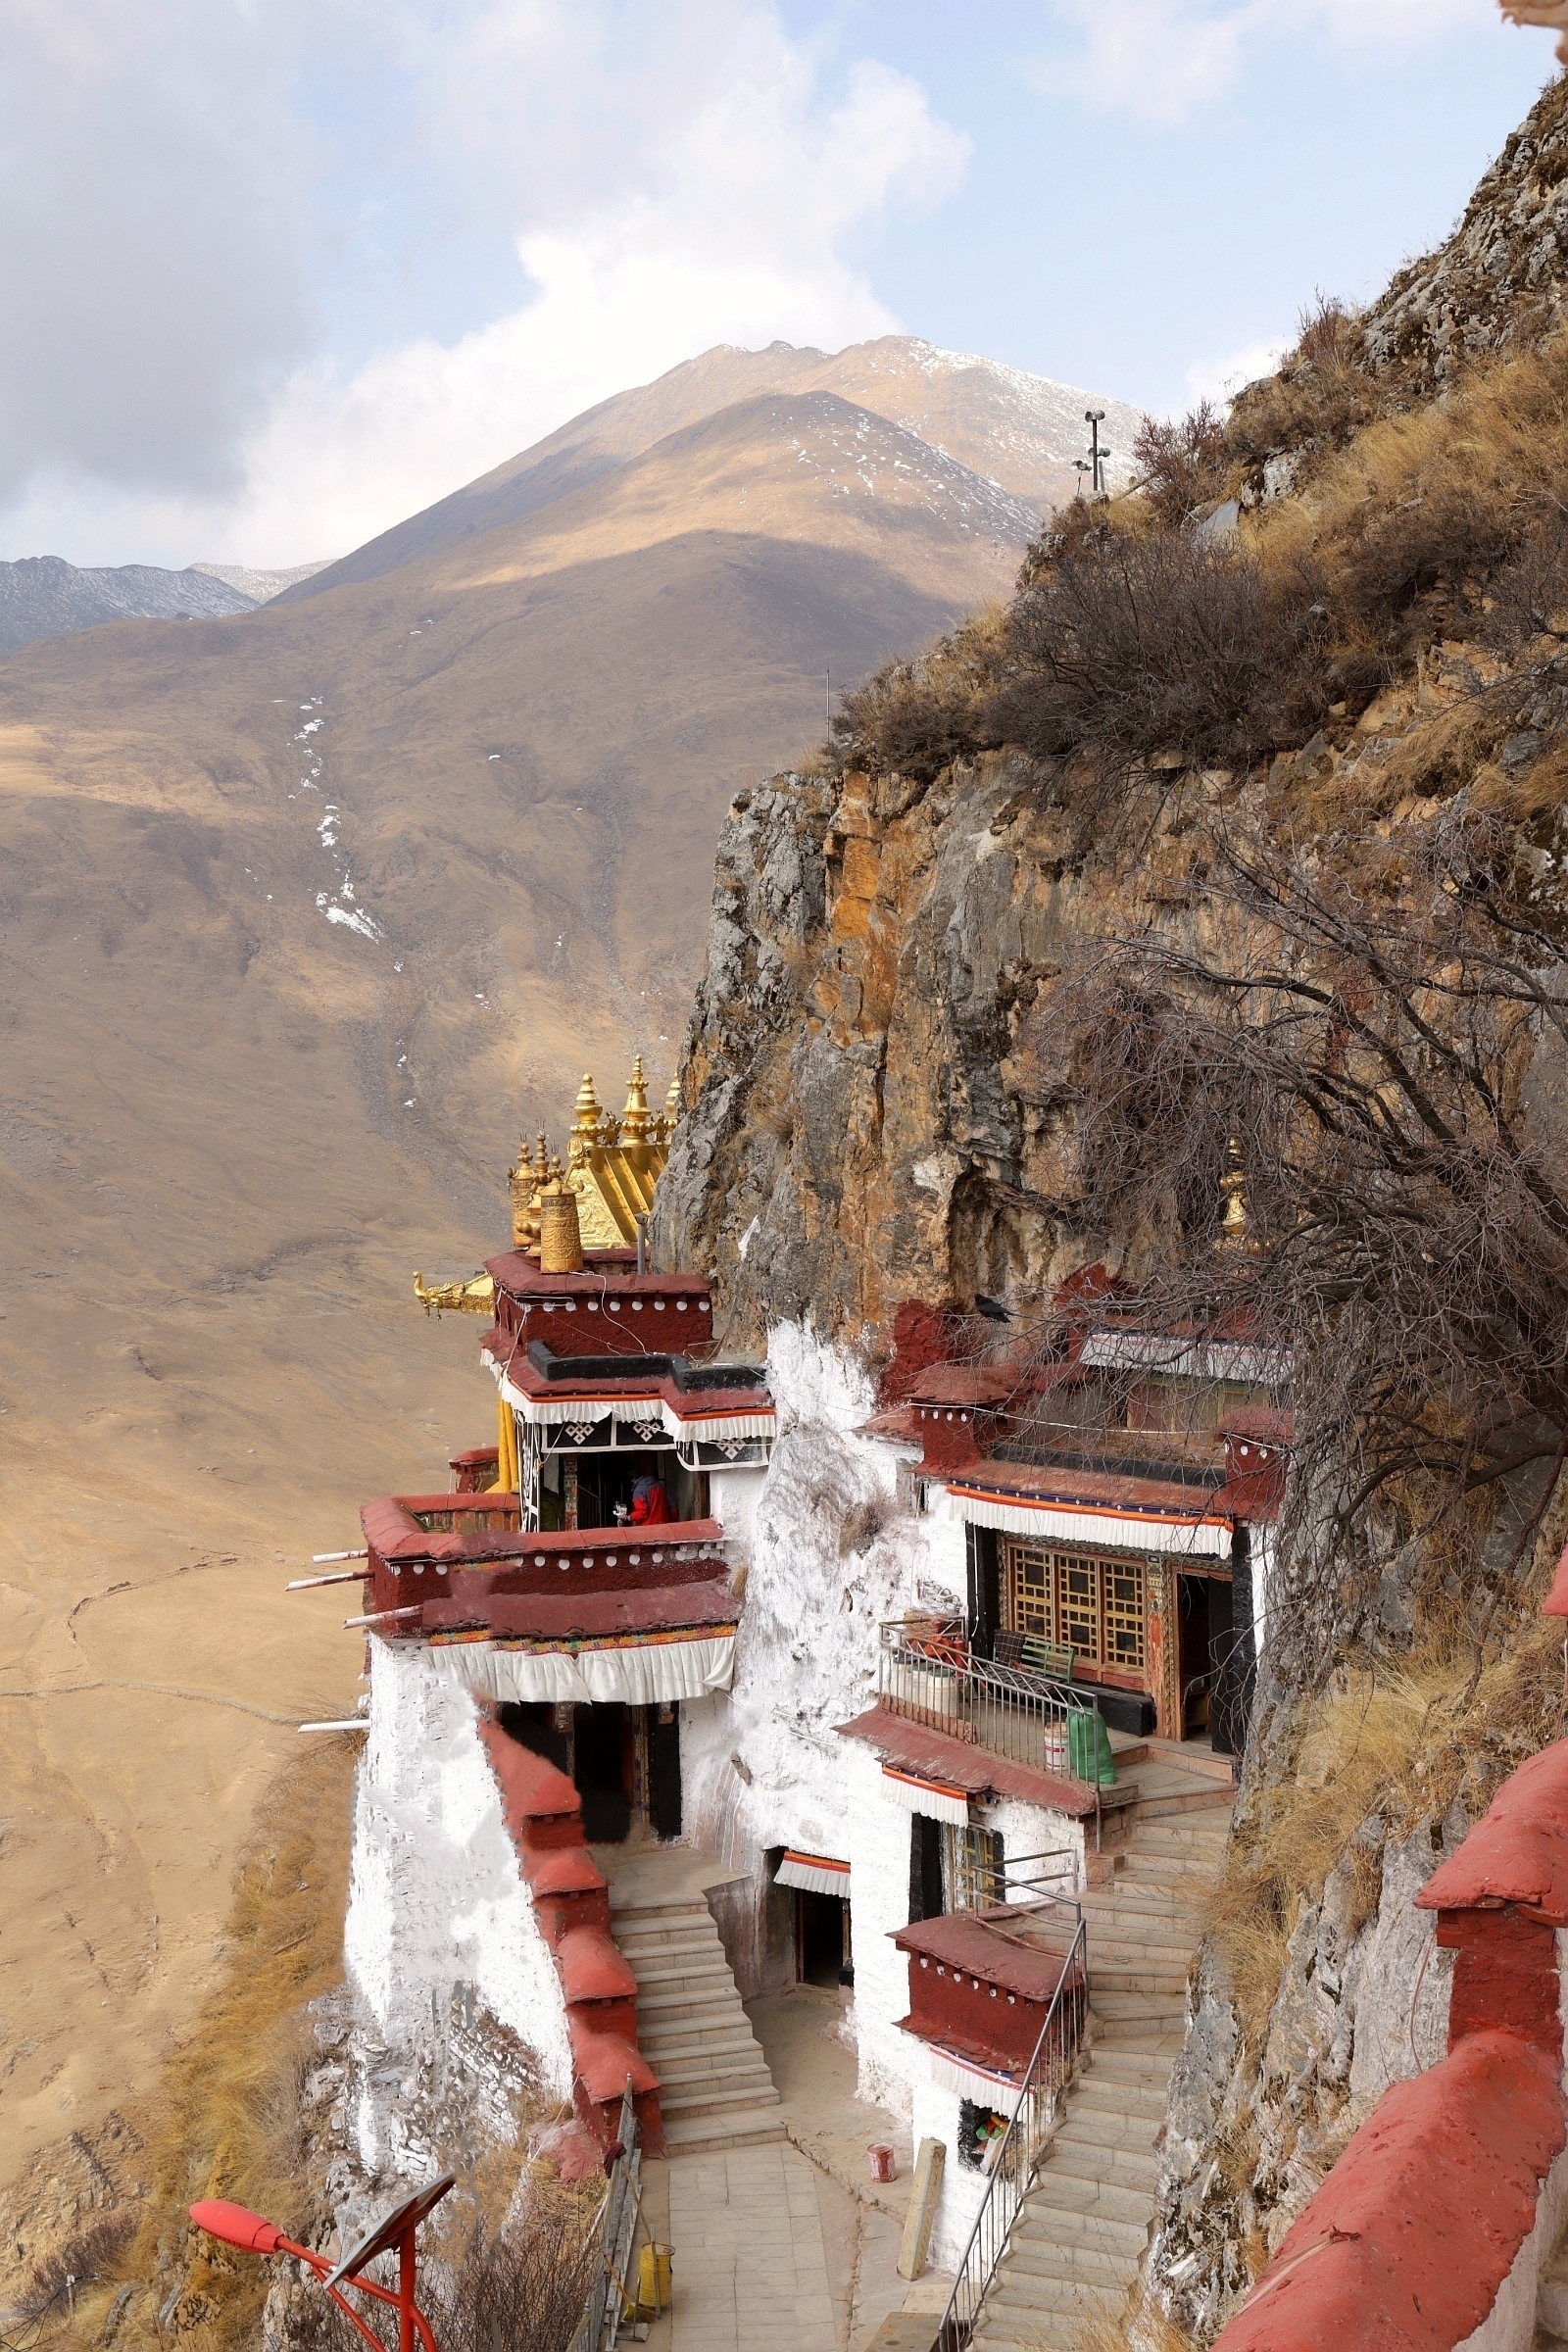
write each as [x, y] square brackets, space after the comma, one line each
[1401, 1743]
[224, 2120]
[1134, 640]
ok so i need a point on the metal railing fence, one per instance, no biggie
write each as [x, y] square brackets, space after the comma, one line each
[1013, 2159]
[617, 2231]
[927, 1675]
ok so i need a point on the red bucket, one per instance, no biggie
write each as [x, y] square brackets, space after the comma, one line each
[883, 2167]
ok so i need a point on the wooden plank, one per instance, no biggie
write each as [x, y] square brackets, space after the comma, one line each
[924, 2195]
[907, 2332]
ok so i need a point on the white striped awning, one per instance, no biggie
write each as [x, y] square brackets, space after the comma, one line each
[1080, 1523]
[558, 1412]
[936, 1800]
[999, 2092]
[814, 1874]
[637, 1674]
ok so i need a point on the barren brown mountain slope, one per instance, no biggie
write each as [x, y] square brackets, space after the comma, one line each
[1022, 432]
[303, 915]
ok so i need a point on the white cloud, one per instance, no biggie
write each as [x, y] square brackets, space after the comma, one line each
[1220, 381]
[1160, 59]
[668, 179]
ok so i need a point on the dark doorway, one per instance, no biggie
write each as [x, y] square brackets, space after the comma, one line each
[925, 1868]
[603, 1773]
[1227, 1714]
[534, 1728]
[1195, 1668]
[663, 1771]
[822, 1938]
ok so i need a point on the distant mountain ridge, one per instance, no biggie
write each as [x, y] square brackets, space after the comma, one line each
[1022, 433]
[43, 596]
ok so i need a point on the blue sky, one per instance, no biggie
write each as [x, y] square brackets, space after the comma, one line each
[288, 269]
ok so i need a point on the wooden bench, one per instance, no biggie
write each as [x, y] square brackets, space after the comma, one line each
[1032, 1654]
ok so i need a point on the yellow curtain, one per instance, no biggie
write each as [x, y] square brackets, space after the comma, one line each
[505, 1450]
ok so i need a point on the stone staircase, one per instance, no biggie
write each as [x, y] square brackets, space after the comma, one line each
[714, 2087]
[1075, 2246]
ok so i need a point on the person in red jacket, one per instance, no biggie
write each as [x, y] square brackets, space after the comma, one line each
[650, 1505]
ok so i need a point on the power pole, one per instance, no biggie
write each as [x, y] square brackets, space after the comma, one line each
[1098, 451]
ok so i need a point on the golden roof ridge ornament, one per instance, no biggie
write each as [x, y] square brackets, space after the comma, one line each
[634, 1119]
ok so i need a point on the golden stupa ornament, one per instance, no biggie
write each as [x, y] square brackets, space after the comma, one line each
[524, 1182]
[1234, 1232]
[634, 1119]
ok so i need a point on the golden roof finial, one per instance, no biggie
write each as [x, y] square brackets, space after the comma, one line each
[672, 1099]
[589, 1113]
[1233, 1234]
[634, 1118]
[560, 1230]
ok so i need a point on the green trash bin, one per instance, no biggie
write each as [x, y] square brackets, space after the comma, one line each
[1089, 1754]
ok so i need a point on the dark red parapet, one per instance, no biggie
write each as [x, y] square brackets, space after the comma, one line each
[978, 1984]
[568, 1890]
[1556, 1603]
[1408, 2241]
[1500, 1901]
[1518, 1850]
[543, 1814]
[475, 1470]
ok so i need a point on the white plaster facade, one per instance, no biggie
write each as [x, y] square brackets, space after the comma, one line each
[436, 1899]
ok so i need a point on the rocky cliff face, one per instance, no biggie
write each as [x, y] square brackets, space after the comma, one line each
[880, 1105]
[869, 1086]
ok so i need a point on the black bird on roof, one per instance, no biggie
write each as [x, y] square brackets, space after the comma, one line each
[990, 1309]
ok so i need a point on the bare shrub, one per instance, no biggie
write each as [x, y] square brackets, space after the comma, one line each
[1182, 463]
[524, 2291]
[1135, 645]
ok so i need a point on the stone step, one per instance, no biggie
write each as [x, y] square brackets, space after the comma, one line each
[1053, 2298]
[703, 2135]
[1099, 2231]
[1112, 2128]
[1100, 2166]
[1092, 2266]
[1168, 1984]
[665, 2001]
[654, 1948]
[680, 1967]
[729, 2067]
[1121, 2106]
[675, 2041]
[1115, 2005]
[1063, 2197]
[700, 2098]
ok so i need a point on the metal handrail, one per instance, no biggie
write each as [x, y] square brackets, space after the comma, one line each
[1015, 2157]
[601, 2318]
[926, 1674]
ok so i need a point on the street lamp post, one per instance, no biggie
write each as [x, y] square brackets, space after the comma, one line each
[1098, 451]
[238, 2227]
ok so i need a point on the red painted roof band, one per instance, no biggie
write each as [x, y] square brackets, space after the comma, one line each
[560, 1616]
[968, 1945]
[933, 1756]
[1518, 1850]
[1556, 1603]
[1404, 2246]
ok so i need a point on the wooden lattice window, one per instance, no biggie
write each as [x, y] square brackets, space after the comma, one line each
[1030, 1604]
[1094, 1606]
[1122, 1584]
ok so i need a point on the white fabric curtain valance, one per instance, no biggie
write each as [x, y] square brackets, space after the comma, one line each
[642, 1675]
[815, 1874]
[551, 1412]
[913, 1796]
[1059, 1523]
[973, 2082]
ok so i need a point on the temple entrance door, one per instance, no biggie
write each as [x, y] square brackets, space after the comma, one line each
[603, 1772]
[1195, 1667]
[663, 1771]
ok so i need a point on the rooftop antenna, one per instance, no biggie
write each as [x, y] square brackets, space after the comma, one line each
[238, 2226]
[827, 695]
